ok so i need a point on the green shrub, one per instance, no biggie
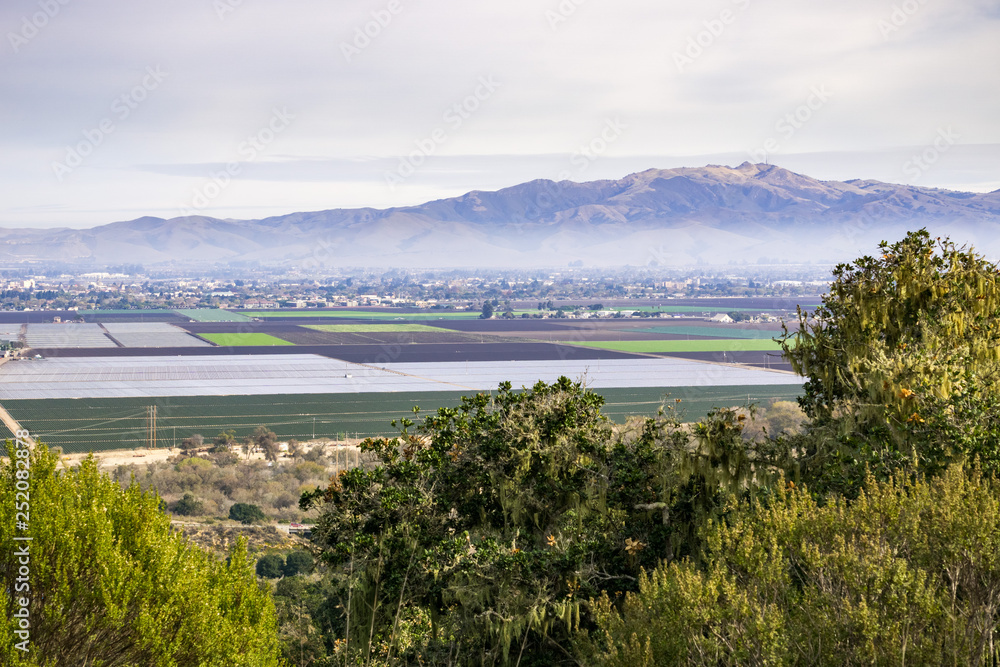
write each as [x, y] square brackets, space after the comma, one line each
[270, 566]
[297, 562]
[907, 573]
[901, 365]
[189, 506]
[112, 584]
[486, 534]
[246, 513]
[194, 463]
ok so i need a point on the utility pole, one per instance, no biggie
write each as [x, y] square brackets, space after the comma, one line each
[151, 427]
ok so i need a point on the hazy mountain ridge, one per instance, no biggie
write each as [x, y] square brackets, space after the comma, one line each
[711, 214]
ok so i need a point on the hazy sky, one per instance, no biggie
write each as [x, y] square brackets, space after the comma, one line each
[248, 108]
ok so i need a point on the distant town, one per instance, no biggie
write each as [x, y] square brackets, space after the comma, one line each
[550, 292]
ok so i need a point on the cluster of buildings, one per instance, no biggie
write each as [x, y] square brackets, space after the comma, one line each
[261, 290]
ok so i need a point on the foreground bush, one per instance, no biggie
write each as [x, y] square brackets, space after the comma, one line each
[111, 584]
[909, 573]
[479, 540]
[902, 363]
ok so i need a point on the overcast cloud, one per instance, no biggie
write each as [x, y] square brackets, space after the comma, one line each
[247, 108]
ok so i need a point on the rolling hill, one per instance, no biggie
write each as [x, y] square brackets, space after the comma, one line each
[712, 215]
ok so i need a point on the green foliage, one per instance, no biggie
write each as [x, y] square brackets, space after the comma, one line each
[305, 608]
[246, 513]
[908, 573]
[483, 534]
[270, 566]
[194, 463]
[903, 363]
[297, 562]
[189, 506]
[224, 442]
[111, 584]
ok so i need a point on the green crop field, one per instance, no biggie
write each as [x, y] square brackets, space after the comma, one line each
[715, 332]
[212, 315]
[243, 339]
[373, 328]
[706, 345]
[368, 315]
[695, 402]
[5, 435]
[98, 424]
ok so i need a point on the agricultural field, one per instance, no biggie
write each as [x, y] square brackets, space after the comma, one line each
[477, 350]
[711, 306]
[353, 371]
[383, 314]
[521, 324]
[156, 315]
[128, 311]
[694, 402]
[156, 376]
[372, 328]
[769, 360]
[665, 346]
[351, 334]
[96, 424]
[244, 339]
[430, 336]
[67, 335]
[99, 424]
[714, 332]
[212, 315]
[151, 334]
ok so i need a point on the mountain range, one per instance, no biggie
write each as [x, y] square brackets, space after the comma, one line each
[752, 213]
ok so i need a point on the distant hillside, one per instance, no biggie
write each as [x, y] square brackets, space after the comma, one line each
[714, 215]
